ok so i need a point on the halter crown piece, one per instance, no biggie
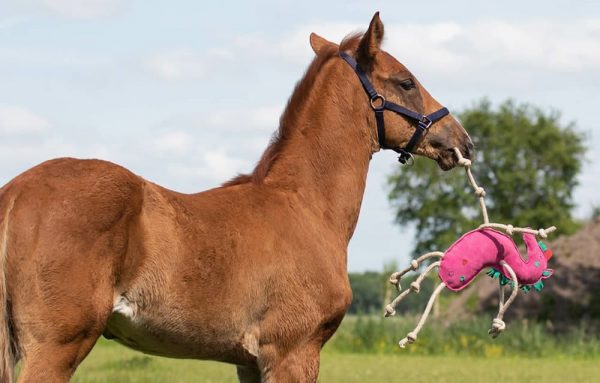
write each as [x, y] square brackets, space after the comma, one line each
[379, 104]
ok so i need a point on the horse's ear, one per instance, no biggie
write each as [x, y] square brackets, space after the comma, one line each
[370, 43]
[317, 43]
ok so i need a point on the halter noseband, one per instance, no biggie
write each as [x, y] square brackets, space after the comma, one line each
[379, 104]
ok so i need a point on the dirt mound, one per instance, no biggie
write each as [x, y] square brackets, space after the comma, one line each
[570, 296]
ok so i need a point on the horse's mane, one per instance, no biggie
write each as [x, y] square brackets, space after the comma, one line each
[280, 138]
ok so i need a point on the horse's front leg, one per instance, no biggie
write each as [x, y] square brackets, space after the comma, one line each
[301, 365]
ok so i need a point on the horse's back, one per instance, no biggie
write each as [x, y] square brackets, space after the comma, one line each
[78, 188]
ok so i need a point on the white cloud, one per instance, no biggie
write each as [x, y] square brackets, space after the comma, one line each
[467, 49]
[10, 22]
[460, 49]
[178, 65]
[31, 153]
[214, 165]
[259, 119]
[173, 143]
[85, 9]
[16, 119]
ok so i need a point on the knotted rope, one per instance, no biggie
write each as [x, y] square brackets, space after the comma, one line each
[480, 193]
[498, 324]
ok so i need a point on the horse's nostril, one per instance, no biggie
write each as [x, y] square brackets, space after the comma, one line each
[469, 148]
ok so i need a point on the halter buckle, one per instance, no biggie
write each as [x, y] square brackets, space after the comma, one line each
[375, 99]
[425, 122]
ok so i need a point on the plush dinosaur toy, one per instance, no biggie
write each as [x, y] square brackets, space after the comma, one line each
[474, 251]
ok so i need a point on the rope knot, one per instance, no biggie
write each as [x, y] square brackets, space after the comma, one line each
[415, 287]
[410, 338]
[464, 162]
[498, 326]
[543, 233]
[510, 229]
[414, 264]
[480, 192]
[389, 311]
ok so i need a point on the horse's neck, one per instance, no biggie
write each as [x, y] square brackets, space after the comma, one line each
[327, 158]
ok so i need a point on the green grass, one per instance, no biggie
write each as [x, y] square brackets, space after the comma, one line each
[364, 349]
[110, 362]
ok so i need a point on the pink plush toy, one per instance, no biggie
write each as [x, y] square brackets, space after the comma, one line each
[474, 251]
[483, 248]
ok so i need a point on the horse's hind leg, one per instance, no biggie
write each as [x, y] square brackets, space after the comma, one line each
[54, 345]
[59, 317]
[55, 362]
[412, 336]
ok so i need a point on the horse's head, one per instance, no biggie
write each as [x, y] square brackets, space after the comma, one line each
[398, 85]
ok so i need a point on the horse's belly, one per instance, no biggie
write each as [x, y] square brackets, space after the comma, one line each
[152, 334]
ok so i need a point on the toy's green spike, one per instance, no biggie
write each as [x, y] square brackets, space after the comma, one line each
[546, 273]
[493, 273]
[542, 246]
[526, 288]
[539, 285]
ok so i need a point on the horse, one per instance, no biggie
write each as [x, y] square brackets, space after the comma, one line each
[251, 273]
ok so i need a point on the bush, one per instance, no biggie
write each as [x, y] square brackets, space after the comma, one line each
[371, 334]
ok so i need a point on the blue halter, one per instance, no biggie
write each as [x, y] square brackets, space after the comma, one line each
[379, 104]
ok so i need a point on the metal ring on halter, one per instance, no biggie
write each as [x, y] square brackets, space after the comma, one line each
[406, 158]
[375, 98]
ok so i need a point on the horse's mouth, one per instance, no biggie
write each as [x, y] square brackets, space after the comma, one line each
[447, 160]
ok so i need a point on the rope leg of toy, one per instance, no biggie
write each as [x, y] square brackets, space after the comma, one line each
[411, 337]
[390, 309]
[498, 324]
[414, 264]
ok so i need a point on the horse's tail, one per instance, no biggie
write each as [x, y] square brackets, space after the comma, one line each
[7, 343]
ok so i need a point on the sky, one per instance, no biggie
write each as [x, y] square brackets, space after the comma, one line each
[187, 93]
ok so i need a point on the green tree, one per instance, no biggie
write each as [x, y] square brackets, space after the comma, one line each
[367, 292]
[527, 161]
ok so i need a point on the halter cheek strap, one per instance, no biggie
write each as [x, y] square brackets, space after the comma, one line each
[379, 104]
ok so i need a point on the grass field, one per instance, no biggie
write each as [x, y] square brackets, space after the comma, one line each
[112, 363]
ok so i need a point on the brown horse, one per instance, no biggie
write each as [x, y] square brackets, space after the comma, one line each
[251, 273]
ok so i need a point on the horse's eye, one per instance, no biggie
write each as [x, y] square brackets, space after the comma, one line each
[407, 84]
